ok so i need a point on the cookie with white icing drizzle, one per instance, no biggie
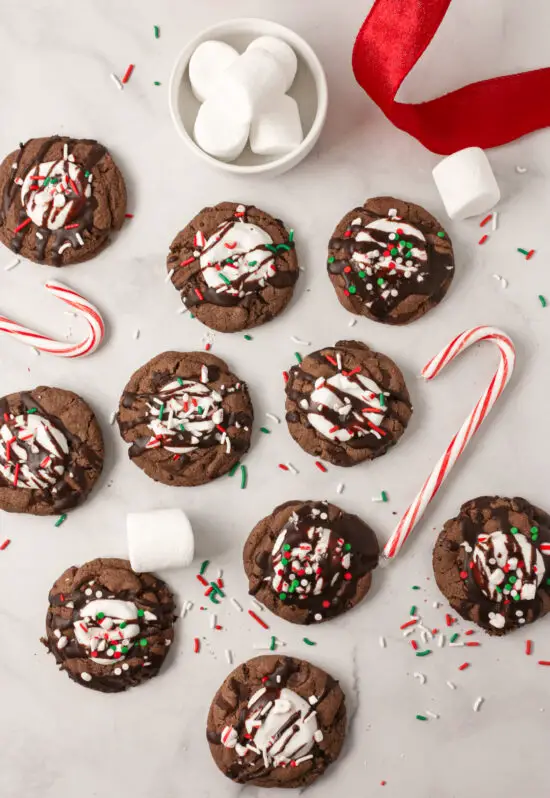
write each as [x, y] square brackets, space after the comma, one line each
[234, 266]
[310, 561]
[108, 627]
[346, 403]
[51, 451]
[276, 722]
[60, 199]
[390, 261]
[187, 418]
[492, 562]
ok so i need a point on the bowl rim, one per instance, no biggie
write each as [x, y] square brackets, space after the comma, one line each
[305, 50]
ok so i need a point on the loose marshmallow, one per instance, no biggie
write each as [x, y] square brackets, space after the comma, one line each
[206, 65]
[277, 129]
[219, 133]
[284, 54]
[159, 539]
[249, 83]
[466, 183]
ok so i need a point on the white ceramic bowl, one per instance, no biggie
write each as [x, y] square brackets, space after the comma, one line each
[309, 90]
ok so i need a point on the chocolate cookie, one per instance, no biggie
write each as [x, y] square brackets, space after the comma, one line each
[234, 266]
[310, 561]
[51, 451]
[187, 417]
[492, 562]
[108, 627]
[390, 261]
[276, 722]
[60, 199]
[346, 403]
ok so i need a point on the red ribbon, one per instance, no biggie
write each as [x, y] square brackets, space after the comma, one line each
[484, 114]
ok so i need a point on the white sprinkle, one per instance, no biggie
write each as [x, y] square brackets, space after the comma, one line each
[117, 671]
[220, 573]
[421, 678]
[36, 351]
[204, 374]
[257, 604]
[213, 621]
[494, 221]
[116, 81]
[276, 419]
[236, 604]
[65, 152]
[190, 605]
[229, 656]
[181, 310]
[340, 487]
[352, 323]
[12, 265]
[39, 236]
[410, 631]
[382, 641]
[85, 677]
[303, 759]
[57, 633]
[456, 645]
[477, 704]
[300, 341]
[377, 499]
[431, 714]
[436, 605]
[451, 686]
[62, 642]
[136, 335]
[427, 632]
[392, 212]
[504, 282]
[441, 641]
[292, 468]
[112, 417]
[260, 647]
[79, 239]
[425, 637]
[65, 246]
[521, 170]
[169, 276]
[167, 642]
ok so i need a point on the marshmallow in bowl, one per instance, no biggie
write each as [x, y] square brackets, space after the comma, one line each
[250, 83]
[208, 62]
[220, 133]
[284, 54]
[277, 129]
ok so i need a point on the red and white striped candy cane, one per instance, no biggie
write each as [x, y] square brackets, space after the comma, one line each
[61, 348]
[467, 430]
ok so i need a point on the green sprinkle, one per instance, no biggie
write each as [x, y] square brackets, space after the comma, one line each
[230, 261]
[251, 262]
[226, 280]
[61, 519]
[412, 610]
[380, 281]
[534, 529]
[179, 380]
[331, 259]
[243, 477]
[454, 637]
[516, 597]
[100, 616]
[283, 246]
[309, 642]
[298, 357]
[143, 642]
[271, 247]
[352, 289]
[293, 586]
[182, 428]
[213, 598]
[421, 717]
[548, 581]
[282, 596]
[424, 653]
[514, 530]
[86, 174]
[441, 234]
[248, 338]
[362, 274]
[156, 83]
[161, 411]
[265, 430]
[498, 588]
[384, 496]
[284, 561]
[122, 625]
[286, 547]
[124, 649]
[157, 31]
[523, 251]
[394, 251]
[382, 400]
[141, 613]
[217, 589]
[347, 546]
[204, 566]
[233, 469]
[542, 300]
[512, 579]
[291, 235]
[409, 245]
[415, 587]
[113, 647]
[32, 410]
[272, 644]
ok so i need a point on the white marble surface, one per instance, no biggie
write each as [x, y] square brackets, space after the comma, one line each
[57, 739]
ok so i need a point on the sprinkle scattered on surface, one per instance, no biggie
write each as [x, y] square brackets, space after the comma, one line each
[244, 477]
[62, 518]
[451, 686]
[136, 334]
[477, 703]
[542, 300]
[229, 656]
[5, 544]
[521, 170]
[300, 342]
[274, 418]
[116, 80]
[12, 265]
[112, 418]
[156, 31]
[309, 642]
[128, 73]
[420, 676]
[265, 430]
[340, 487]
[382, 641]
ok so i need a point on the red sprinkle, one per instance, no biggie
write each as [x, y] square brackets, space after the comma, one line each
[470, 632]
[449, 620]
[321, 467]
[22, 225]
[219, 582]
[283, 467]
[218, 627]
[128, 215]
[528, 647]
[463, 575]
[356, 370]
[376, 429]
[187, 262]
[258, 619]
[544, 662]
[467, 665]
[128, 74]
[16, 474]
[414, 644]
[197, 645]
[71, 226]
[331, 360]
[230, 244]
[486, 220]
[472, 643]
[207, 347]
[530, 254]
[483, 239]
[409, 623]
[202, 580]
[198, 293]
[285, 376]
[208, 591]
[5, 544]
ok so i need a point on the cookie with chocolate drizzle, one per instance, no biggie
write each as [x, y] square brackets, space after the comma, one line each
[276, 722]
[310, 561]
[390, 261]
[187, 418]
[346, 403]
[492, 563]
[60, 198]
[51, 451]
[234, 266]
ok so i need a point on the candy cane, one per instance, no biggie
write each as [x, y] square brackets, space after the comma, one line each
[467, 430]
[61, 348]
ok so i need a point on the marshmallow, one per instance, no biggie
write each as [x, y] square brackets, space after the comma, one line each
[466, 183]
[159, 539]
[249, 83]
[284, 54]
[207, 64]
[277, 129]
[219, 132]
